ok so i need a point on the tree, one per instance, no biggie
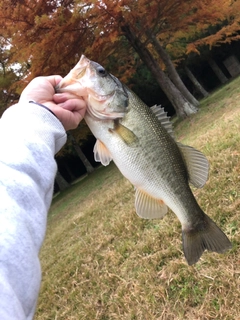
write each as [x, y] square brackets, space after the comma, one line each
[7, 77]
[221, 76]
[170, 22]
[224, 27]
[172, 72]
[61, 182]
[196, 83]
[46, 35]
[41, 26]
[87, 164]
[131, 20]
[182, 106]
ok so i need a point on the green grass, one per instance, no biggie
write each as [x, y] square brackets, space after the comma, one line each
[100, 261]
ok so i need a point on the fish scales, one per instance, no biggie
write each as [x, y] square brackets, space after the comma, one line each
[139, 140]
[155, 179]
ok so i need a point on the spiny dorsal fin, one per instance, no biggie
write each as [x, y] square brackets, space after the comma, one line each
[197, 165]
[148, 207]
[101, 153]
[163, 118]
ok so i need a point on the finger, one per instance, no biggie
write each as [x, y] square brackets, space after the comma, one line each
[69, 118]
[54, 79]
[62, 97]
[77, 105]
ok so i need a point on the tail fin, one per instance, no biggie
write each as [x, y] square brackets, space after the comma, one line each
[205, 236]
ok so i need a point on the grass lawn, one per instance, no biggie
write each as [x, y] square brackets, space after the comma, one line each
[101, 261]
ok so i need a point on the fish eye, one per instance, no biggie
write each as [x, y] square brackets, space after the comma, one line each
[101, 71]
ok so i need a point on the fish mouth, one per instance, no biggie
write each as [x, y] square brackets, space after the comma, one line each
[70, 83]
[104, 115]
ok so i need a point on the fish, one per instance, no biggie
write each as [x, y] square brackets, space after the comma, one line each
[140, 140]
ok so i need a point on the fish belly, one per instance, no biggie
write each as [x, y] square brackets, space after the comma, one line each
[147, 164]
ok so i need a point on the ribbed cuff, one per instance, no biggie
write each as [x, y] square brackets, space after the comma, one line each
[41, 105]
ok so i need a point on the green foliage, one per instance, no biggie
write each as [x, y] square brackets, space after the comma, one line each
[7, 94]
[146, 87]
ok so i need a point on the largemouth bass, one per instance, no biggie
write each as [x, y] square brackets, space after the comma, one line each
[140, 141]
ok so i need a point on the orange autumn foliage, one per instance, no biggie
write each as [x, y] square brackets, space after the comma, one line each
[50, 36]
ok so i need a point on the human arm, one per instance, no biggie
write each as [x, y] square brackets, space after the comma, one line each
[29, 138]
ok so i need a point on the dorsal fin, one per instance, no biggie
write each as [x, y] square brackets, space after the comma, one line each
[163, 118]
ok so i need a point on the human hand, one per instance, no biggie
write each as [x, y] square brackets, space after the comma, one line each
[69, 109]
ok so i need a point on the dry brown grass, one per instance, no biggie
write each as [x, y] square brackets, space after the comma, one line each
[100, 261]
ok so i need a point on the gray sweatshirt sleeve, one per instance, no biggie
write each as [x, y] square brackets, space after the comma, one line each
[30, 136]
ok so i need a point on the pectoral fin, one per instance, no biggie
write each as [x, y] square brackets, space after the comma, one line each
[124, 133]
[197, 165]
[101, 153]
[148, 207]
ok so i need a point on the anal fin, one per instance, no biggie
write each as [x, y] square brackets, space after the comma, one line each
[148, 207]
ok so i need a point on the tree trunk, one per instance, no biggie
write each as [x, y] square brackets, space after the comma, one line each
[221, 76]
[69, 171]
[197, 84]
[81, 155]
[233, 66]
[61, 182]
[172, 72]
[182, 107]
